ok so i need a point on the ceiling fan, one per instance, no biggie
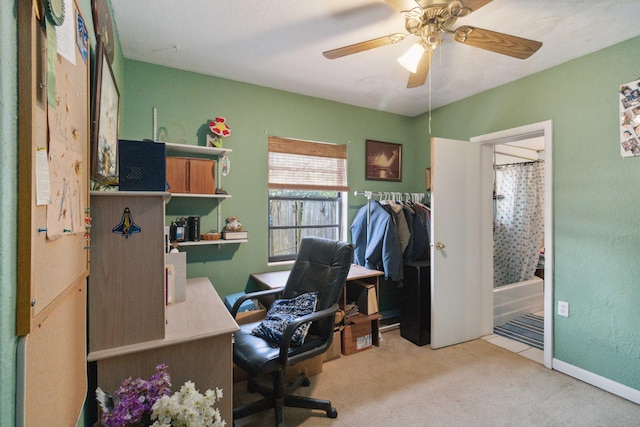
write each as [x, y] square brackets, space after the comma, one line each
[428, 20]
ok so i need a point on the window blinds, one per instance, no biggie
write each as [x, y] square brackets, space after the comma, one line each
[304, 165]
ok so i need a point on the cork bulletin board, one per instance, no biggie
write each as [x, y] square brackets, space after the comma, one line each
[53, 202]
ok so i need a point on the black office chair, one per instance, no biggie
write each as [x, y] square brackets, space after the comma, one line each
[322, 266]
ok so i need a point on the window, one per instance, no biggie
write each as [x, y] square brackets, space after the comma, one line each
[305, 184]
[295, 214]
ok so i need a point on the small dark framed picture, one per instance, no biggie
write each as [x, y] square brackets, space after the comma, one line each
[104, 120]
[384, 161]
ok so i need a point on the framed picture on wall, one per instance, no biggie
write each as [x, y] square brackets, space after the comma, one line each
[383, 161]
[104, 119]
[103, 24]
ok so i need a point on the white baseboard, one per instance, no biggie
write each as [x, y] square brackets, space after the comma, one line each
[611, 386]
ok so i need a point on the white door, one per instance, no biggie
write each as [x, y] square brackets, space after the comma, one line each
[461, 250]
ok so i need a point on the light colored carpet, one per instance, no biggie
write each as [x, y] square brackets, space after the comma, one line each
[470, 384]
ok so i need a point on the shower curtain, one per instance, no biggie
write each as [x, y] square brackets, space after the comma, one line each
[519, 221]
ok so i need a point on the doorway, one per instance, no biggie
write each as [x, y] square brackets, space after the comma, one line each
[542, 132]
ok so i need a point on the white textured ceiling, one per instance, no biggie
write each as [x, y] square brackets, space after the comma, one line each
[279, 44]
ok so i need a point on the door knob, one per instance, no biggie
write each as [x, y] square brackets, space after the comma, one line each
[440, 246]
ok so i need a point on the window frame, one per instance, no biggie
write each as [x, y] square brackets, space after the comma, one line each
[339, 199]
[310, 167]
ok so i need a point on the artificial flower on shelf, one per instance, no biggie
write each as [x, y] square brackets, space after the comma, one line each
[150, 403]
[220, 130]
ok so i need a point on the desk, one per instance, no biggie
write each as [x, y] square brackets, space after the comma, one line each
[278, 279]
[197, 346]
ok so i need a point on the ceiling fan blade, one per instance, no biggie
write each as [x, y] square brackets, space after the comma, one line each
[362, 46]
[504, 44]
[403, 5]
[475, 4]
[420, 76]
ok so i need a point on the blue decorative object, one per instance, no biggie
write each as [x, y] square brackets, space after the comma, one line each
[127, 227]
[282, 312]
[82, 37]
[230, 300]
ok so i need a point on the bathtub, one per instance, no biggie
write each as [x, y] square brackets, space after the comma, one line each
[517, 299]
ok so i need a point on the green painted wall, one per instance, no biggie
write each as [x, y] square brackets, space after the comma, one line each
[8, 209]
[596, 229]
[185, 101]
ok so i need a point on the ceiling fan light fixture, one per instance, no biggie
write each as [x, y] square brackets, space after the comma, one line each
[431, 36]
[412, 57]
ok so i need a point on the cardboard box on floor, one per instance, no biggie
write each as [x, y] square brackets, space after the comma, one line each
[360, 333]
[364, 295]
[335, 350]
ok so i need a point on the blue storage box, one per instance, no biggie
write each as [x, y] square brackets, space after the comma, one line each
[142, 166]
[229, 300]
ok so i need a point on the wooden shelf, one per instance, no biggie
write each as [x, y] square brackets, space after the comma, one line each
[201, 196]
[189, 150]
[163, 194]
[212, 242]
[363, 318]
[195, 149]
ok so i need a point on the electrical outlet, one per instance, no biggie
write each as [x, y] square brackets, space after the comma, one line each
[563, 308]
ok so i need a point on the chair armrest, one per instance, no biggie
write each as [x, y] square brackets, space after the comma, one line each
[257, 294]
[287, 335]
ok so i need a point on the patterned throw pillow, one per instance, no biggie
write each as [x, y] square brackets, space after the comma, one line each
[282, 312]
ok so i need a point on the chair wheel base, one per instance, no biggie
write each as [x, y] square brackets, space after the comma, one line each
[332, 413]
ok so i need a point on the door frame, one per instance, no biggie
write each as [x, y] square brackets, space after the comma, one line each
[544, 129]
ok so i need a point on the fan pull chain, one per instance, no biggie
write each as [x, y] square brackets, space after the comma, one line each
[429, 77]
[429, 103]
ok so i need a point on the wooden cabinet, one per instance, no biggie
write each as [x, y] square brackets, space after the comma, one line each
[192, 171]
[131, 329]
[191, 176]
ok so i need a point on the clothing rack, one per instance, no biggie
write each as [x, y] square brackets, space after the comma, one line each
[388, 195]
[368, 195]
[391, 195]
[394, 242]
